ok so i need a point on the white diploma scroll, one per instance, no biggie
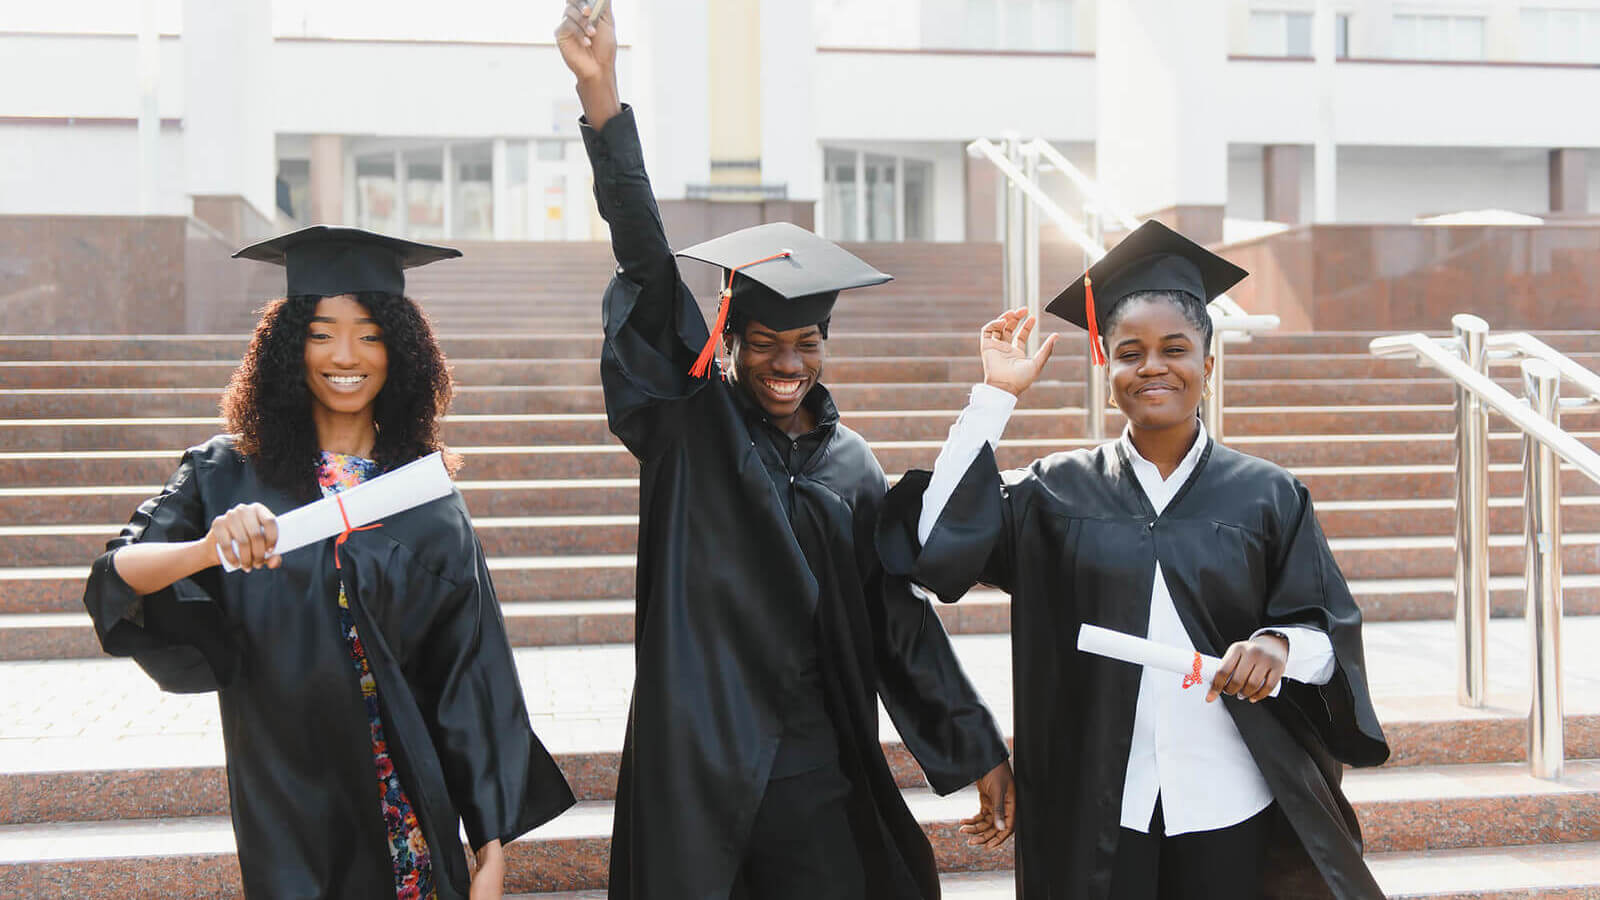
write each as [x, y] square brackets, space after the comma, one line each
[1148, 653]
[409, 486]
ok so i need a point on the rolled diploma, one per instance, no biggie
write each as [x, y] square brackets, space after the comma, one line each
[1144, 652]
[409, 486]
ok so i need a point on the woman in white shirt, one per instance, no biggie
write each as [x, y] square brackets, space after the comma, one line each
[1135, 783]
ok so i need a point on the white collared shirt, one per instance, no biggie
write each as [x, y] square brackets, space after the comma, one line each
[1184, 750]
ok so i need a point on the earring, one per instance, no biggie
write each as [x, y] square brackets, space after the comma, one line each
[1205, 390]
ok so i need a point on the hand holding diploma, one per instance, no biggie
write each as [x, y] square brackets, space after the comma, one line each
[259, 539]
[1252, 681]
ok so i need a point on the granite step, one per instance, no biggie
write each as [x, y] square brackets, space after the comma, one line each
[1357, 494]
[30, 468]
[1066, 395]
[65, 632]
[1526, 872]
[1402, 810]
[1409, 572]
[1435, 732]
[962, 367]
[460, 343]
[157, 432]
[1402, 555]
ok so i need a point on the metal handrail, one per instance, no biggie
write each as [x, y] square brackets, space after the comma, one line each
[1564, 445]
[1073, 230]
[1018, 162]
[1086, 186]
[1532, 348]
[1544, 441]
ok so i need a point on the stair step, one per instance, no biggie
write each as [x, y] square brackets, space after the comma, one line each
[1402, 810]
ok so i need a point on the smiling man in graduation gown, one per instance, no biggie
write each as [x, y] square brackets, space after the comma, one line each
[1131, 783]
[766, 630]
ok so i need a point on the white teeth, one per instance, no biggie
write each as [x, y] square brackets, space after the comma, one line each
[783, 388]
[347, 379]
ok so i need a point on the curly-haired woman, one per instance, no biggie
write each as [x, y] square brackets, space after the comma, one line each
[370, 704]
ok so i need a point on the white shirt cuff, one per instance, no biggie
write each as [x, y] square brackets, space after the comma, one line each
[983, 421]
[1311, 659]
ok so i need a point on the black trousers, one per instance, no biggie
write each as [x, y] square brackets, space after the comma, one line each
[1225, 863]
[802, 847]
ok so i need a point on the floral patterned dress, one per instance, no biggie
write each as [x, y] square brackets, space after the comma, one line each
[408, 849]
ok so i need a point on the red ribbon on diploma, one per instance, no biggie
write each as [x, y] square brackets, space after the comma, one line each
[1189, 680]
[345, 536]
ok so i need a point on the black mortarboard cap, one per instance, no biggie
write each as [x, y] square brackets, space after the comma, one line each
[1152, 257]
[780, 275]
[328, 260]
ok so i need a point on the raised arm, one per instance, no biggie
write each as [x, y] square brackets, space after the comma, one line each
[621, 188]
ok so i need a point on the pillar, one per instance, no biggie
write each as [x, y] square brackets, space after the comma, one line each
[1280, 176]
[1160, 150]
[228, 141]
[327, 180]
[1569, 181]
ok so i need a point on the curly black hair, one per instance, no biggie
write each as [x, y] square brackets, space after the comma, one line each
[267, 405]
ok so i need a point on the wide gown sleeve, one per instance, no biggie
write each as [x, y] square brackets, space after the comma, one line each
[939, 714]
[973, 541]
[500, 777]
[179, 635]
[1306, 588]
[653, 329]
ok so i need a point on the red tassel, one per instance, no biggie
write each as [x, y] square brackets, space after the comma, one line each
[702, 363]
[345, 535]
[1097, 354]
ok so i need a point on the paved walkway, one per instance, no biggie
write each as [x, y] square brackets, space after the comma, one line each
[103, 714]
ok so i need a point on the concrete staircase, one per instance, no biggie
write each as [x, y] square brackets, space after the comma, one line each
[104, 782]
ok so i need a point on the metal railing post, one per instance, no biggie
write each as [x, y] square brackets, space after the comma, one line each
[1030, 246]
[1542, 571]
[1472, 519]
[1095, 396]
[1213, 404]
[1013, 227]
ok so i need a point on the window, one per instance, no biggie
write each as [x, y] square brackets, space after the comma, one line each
[1437, 37]
[873, 197]
[1560, 35]
[1045, 25]
[1289, 34]
[294, 188]
[1280, 34]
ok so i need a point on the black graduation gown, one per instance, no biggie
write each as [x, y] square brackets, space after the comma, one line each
[1073, 539]
[724, 584]
[300, 767]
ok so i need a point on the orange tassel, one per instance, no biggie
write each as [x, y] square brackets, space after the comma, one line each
[1097, 354]
[702, 363]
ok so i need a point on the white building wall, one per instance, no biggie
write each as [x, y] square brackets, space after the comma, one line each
[85, 170]
[952, 96]
[83, 75]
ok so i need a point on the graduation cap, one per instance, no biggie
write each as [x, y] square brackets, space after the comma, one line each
[329, 260]
[781, 275]
[1152, 258]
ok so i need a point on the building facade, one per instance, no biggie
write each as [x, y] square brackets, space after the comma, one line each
[852, 117]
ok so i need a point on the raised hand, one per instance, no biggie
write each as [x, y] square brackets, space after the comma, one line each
[1003, 348]
[588, 46]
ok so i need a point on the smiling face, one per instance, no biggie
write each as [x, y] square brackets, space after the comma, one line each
[777, 368]
[1158, 362]
[346, 360]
